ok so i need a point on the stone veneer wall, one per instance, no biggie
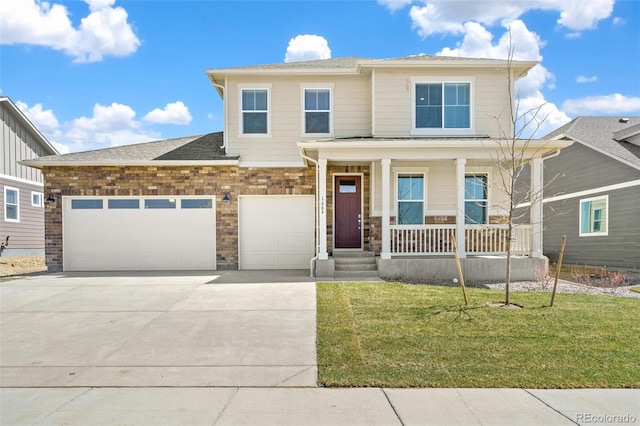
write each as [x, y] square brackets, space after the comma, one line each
[181, 180]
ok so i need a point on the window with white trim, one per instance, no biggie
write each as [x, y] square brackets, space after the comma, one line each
[594, 216]
[255, 111]
[317, 111]
[36, 199]
[476, 199]
[442, 105]
[11, 204]
[410, 199]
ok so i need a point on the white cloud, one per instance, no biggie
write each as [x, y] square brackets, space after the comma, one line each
[526, 45]
[394, 5]
[607, 104]
[619, 21]
[585, 79]
[44, 120]
[104, 32]
[306, 47]
[175, 113]
[110, 125]
[445, 16]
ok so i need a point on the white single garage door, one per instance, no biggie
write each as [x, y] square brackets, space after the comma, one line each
[139, 233]
[276, 232]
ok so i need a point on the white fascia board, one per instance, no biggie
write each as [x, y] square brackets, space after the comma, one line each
[272, 164]
[22, 117]
[541, 145]
[421, 150]
[156, 163]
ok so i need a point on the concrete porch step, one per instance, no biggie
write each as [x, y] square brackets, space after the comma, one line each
[356, 266]
[355, 260]
[351, 254]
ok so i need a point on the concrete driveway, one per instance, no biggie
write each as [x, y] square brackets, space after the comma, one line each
[137, 329]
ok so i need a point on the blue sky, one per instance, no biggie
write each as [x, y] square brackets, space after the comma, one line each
[100, 73]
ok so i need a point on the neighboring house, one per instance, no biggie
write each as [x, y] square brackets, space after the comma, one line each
[21, 187]
[598, 193]
[379, 160]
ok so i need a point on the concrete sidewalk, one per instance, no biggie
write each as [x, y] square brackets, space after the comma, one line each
[315, 406]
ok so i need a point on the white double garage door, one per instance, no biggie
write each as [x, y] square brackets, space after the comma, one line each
[179, 233]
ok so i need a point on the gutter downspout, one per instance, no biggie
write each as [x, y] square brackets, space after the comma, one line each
[317, 245]
[224, 112]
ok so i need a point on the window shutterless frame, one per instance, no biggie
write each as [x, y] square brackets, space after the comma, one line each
[594, 217]
[317, 114]
[11, 204]
[254, 106]
[476, 199]
[410, 198]
[441, 106]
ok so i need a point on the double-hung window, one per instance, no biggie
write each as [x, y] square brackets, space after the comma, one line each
[11, 204]
[410, 199]
[594, 216]
[317, 111]
[476, 199]
[442, 105]
[255, 111]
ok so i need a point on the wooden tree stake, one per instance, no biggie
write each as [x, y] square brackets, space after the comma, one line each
[555, 283]
[455, 252]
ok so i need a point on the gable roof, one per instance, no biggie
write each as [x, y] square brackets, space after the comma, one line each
[38, 136]
[600, 134]
[193, 150]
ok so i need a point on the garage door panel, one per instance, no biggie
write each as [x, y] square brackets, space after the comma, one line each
[135, 239]
[276, 232]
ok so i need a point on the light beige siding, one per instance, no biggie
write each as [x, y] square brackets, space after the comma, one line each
[441, 187]
[393, 103]
[351, 114]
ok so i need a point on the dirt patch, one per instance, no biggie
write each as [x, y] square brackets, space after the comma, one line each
[21, 265]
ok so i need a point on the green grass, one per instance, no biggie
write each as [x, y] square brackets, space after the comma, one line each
[398, 335]
[635, 288]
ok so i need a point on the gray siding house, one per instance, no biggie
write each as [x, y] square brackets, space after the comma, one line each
[22, 197]
[595, 194]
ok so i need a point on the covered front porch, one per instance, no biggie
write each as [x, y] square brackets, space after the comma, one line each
[424, 250]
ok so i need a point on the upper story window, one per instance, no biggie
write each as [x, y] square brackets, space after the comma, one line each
[11, 204]
[317, 111]
[441, 105]
[255, 111]
[594, 218]
[476, 199]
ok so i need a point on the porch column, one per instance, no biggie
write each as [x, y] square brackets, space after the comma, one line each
[386, 231]
[322, 209]
[535, 214]
[460, 240]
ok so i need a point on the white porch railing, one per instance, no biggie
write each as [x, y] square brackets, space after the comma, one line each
[415, 240]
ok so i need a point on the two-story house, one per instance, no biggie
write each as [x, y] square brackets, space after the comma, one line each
[21, 187]
[378, 160]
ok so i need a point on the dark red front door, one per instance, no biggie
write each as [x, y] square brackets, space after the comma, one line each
[348, 214]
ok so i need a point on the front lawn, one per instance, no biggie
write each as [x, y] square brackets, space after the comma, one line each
[400, 335]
